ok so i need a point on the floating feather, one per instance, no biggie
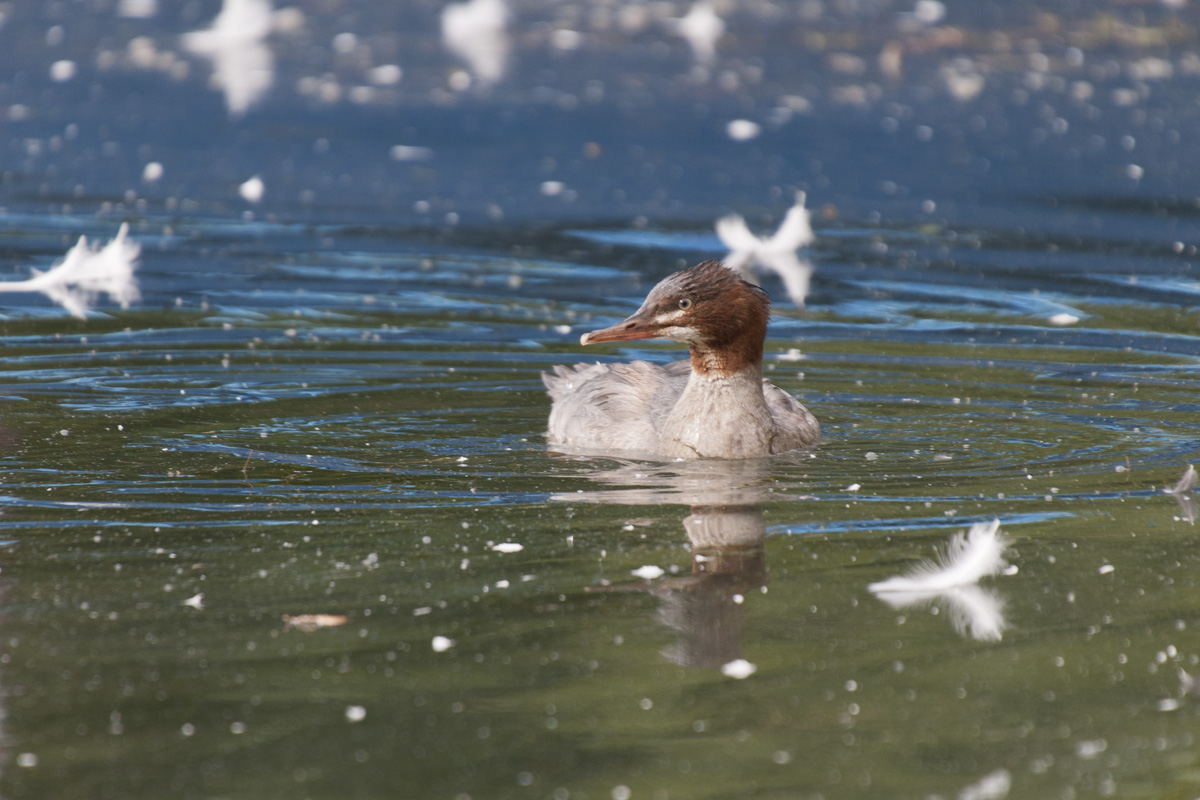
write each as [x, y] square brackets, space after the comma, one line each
[477, 32]
[950, 580]
[86, 273]
[243, 65]
[1186, 483]
[974, 611]
[701, 27]
[967, 559]
[776, 252]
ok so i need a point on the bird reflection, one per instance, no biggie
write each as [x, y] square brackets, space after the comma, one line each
[776, 252]
[726, 532]
[243, 65]
[951, 583]
[728, 560]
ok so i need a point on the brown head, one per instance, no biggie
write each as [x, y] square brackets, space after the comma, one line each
[722, 318]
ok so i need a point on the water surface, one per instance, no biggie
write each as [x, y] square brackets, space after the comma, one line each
[328, 403]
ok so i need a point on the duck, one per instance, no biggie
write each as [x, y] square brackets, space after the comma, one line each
[716, 404]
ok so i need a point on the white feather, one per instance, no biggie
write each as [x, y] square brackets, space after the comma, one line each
[702, 27]
[776, 252]
[976, 612]
[1186, 483]
[243, 65]
[967, 559]
[477, 32]
[85, 273]
[795, 231]
[993, 786]
[795, 274]
[734, 234]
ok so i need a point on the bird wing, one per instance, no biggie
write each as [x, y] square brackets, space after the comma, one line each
[796, 427]
[613, 406]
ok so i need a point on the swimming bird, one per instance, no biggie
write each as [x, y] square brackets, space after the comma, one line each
[717, 405]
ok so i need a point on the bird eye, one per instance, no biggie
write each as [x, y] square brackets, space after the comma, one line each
[685, 303]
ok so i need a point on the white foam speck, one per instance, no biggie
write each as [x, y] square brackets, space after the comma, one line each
[1063, 319]
[993, 786]
[442, 643]
[385, 75]
[408, 152]
[62, 71]
[739, 669]
[252, 190]
[564, 39]
[743, 130]
[508, 547]
[648, 572]
[137, 9]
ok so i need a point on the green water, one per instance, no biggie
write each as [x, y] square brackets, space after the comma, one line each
[568, 676]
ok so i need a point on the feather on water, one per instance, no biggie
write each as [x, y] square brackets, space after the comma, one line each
[967, 559]
[85, 273]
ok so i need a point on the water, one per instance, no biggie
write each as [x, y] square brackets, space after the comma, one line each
[328, 403]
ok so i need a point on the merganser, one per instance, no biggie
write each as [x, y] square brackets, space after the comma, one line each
[716, 406]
